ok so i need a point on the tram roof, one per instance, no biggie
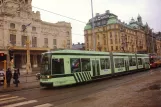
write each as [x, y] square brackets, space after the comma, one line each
[77, 52]
[89, 52]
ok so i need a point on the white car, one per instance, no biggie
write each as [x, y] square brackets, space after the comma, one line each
[2, 75]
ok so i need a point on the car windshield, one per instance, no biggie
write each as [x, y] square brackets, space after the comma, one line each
[45, 64]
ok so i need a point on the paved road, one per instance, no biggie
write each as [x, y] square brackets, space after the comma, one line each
[41, 97]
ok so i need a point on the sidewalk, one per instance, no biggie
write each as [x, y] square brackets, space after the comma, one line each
[22, 85]
[24, 73]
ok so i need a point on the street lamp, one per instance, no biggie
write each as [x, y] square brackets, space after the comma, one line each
[152, 41]
[28, 65]
[94, 38]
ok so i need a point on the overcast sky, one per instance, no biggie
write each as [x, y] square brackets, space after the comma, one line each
[81, 10]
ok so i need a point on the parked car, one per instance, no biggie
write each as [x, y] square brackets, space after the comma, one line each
[37, 76]
[2, 75]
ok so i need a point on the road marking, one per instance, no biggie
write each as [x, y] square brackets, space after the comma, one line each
[21, 103]
[13, 100]
[4, 95]
[44, 105]
[2, 99]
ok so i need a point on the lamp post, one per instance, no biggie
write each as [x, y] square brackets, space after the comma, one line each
[94, 38]
[28, 64]
[152, 41]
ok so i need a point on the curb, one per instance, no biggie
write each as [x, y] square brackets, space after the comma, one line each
[18, 89]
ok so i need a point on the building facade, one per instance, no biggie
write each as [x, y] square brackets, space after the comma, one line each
[115, 36]
[78, 46]
[18, 22]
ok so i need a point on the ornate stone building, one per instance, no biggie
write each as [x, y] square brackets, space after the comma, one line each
[113, 35]
[16, 15]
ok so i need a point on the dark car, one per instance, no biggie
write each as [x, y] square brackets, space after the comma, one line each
[2, 75]
[37, 76]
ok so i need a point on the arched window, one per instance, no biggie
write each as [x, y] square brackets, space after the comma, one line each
[12, 25]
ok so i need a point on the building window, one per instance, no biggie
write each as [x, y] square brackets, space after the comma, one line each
[110, 34]
[26, 1]
[33, 28]
[68, 42]
[104, 41]
[98, 43]
[98, 37]
[13, 39]
[24, 39]
[87, 38]
[104, 36]
[46, 41]
[68, 33]
[111, 41]
[34, 41]
[12, 26]
[116, 47]
[111, 48]
[54, 42]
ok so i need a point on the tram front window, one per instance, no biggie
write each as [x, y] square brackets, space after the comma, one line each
[45, 65]
[57, 66]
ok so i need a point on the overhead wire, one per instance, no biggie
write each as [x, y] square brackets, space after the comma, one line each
[58, 14]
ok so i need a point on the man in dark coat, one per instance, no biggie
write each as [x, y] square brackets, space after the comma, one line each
[15, 77]
[8, 76]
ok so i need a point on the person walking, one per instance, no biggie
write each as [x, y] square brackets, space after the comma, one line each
[18, 71]
[15, 77]
[8, 76]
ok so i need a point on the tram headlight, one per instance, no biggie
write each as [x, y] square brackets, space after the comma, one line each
[48, 76]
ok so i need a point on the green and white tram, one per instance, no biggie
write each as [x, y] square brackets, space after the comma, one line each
[65, 67]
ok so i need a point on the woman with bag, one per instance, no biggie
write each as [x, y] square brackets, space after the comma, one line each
[15, 77]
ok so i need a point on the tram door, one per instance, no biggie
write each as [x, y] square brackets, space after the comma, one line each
[126, 65]
[96, 67]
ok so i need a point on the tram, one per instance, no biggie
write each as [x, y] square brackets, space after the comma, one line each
[65, 67]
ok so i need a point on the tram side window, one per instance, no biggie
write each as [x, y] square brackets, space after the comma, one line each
[86, 66]
[75, 65]
[140, 62]
[105, 63]
[119, 62]
[132, 61]
[57, 66]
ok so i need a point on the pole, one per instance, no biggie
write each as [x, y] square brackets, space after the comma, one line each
[94, 38]
[5, 79]
[8, 58]
[28, 65]
[152, 42]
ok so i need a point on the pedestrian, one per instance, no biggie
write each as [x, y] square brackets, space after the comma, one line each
[8, 76]
[18, 71]
[15, 77]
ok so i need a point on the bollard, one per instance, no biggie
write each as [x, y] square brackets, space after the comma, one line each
[5, 79]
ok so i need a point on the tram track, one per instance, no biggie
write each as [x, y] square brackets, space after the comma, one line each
[67, 94]
[73, 93]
